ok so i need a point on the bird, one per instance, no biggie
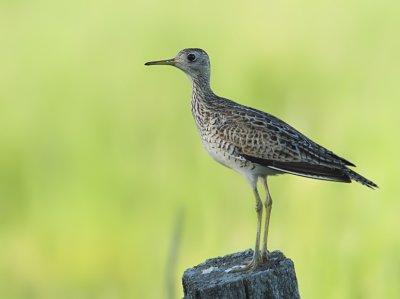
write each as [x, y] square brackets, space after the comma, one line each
[254, 143]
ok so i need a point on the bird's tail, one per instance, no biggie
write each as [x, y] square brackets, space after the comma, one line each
[359, 178]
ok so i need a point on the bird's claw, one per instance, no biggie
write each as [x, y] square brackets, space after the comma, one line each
[264, 256]
[250, 266]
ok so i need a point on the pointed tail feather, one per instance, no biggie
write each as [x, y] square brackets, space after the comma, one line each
[314, 171]
[359, 178]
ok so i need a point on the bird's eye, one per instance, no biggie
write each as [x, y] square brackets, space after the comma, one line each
[191, 57]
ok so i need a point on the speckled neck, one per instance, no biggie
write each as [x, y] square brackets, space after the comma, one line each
[201, 86]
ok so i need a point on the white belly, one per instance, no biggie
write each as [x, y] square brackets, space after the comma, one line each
[237, 163]
[223, 157]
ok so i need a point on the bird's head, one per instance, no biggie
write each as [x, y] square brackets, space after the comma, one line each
[193, 61]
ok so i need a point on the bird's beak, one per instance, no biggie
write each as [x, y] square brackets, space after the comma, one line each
[161, 62]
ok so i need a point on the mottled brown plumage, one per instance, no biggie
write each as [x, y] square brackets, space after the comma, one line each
[260, 138]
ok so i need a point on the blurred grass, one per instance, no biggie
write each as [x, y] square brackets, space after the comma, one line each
[98, 152]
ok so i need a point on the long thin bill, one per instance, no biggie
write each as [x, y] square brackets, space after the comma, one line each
[161, 62]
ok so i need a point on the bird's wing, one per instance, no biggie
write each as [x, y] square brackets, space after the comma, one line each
[267, 140]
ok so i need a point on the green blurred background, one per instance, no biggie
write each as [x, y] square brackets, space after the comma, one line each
[98, 152]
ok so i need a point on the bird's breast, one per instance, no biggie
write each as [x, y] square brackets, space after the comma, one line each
[223, 152]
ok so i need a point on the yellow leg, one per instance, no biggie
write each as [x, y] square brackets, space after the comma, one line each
[268, 207]
[256, 260]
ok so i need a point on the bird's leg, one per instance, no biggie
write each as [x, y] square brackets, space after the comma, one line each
[268, 207]
[259, 210]
[256, 260]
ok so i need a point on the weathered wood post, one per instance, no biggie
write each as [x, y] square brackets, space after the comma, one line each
[214, 278]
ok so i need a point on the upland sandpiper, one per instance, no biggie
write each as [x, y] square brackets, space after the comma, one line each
[254, 143]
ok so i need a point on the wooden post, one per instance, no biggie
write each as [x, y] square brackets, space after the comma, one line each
[214, 278]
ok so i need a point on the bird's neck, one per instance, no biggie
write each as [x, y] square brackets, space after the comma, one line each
[201, 90]
[202, 99]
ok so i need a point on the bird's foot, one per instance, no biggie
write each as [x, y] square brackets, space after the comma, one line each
[255, 262]
[264, 256]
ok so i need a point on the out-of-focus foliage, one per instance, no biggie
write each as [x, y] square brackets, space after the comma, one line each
[98, 152]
